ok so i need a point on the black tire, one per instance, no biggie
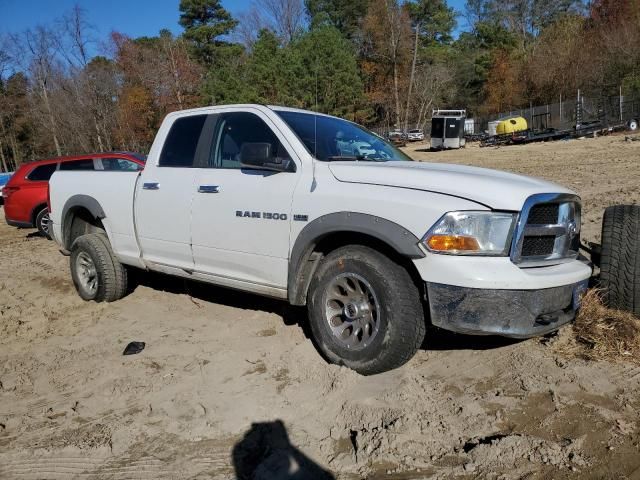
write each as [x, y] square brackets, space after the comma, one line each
[111, 277]
[620, 261]
[42, 222]
[401, 322]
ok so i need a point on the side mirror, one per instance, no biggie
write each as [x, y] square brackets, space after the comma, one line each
[258, 156]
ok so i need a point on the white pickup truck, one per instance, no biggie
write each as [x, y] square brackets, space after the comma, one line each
[320, 212]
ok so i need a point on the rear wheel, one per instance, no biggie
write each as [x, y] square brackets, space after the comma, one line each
[365, 311]
[620, 260]
[633, 125]
[42, 222]
[96, 272]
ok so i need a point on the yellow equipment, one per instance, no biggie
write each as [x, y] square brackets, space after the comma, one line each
[511, 125]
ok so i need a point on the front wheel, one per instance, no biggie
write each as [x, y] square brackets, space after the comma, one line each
[96, 272]
[365, 311]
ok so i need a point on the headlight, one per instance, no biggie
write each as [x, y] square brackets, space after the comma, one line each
[471, 233]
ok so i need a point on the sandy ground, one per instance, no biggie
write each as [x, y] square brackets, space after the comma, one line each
[229, 386]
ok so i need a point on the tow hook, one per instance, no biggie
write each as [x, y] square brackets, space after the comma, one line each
[594, 250]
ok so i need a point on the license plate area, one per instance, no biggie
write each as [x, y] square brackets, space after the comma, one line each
[578, 292]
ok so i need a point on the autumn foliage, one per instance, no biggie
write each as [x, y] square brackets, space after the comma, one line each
[383, 63]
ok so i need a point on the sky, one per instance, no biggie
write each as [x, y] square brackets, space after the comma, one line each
[131, 17]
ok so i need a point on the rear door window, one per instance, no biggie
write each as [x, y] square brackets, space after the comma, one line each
[84, 164]
[119, 165]
[42, 173]
[179, 149]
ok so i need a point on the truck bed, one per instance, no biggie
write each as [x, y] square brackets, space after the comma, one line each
[113, 191]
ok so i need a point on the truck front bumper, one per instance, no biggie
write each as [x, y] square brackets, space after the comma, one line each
[509, 313]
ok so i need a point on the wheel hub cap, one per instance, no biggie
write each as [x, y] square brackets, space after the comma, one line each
[352, 311]
[86, 273]
[45, 223]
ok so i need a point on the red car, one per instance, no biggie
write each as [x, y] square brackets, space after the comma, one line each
[25, 195]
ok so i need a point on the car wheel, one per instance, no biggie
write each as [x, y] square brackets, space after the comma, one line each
[96, 272]
[633, 125]
[365, 311]
[42, 223]
[620, 258]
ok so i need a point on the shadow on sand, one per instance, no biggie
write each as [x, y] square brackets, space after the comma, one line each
[265, 453]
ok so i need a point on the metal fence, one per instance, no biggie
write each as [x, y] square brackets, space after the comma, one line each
[566, 114]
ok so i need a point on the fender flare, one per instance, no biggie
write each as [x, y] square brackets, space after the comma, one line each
[84, 201]
[301, 261]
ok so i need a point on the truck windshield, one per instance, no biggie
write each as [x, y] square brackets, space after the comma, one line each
[332, 139]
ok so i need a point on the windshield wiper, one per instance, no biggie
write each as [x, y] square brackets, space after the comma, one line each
[351, 158]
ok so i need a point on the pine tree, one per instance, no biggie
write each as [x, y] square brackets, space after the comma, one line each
[204, 22]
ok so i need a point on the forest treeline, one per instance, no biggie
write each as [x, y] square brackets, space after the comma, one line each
[378, 62]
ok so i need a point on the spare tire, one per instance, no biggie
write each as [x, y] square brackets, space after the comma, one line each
[620, 261]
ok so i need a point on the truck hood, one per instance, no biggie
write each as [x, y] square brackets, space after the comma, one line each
[493, 188]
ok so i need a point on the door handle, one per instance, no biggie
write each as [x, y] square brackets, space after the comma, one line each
[208, 189]
[151, 186]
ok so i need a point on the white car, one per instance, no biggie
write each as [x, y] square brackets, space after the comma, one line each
[364, 148]
[261, 199]
[415, 135]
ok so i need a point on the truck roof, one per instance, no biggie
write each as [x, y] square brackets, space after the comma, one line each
[275, 108]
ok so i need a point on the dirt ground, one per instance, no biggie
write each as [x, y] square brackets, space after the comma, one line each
[229, 386]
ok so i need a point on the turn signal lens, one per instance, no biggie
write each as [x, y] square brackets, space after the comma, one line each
[453, 243]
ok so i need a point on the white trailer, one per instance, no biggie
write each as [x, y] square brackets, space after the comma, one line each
[447, 129]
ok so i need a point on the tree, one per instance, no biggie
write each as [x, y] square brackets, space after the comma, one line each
[613, 37]
[504, 87]
[16, 127]
[524, 18]
[265, 70]
[434, 84]
[324, 73]
[432, 23]
[250, 23]
[158, 77]
[136, 118]
[345, 15]
[387, 33]
[205, 22]
[560, 41]
[37, 48]
[285, 17]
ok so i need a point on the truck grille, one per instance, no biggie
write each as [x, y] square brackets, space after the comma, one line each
[548, 230]
[536, 246]
[543, 214]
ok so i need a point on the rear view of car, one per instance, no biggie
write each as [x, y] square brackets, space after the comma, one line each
[4, 179]
[415, 135]
[397, 138]
[25, 195]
